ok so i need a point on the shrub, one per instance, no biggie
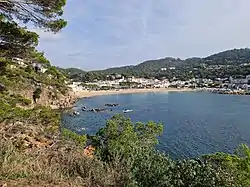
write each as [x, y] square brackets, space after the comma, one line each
[21, 100]
[237, 165]
[70, 135]
[121, 136]
[37, 94]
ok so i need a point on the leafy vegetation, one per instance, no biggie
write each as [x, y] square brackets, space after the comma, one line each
[70, 135]
[44, 14]
[36, 94]
[133, 147]
[125, 156]
[33, 153]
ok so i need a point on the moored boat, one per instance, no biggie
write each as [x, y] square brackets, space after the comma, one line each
[127, 110]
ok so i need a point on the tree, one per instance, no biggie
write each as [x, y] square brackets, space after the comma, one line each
[121, 137]
[15, 40]
[45, 14]
[37, 94]
[237, 165]
[131, 146]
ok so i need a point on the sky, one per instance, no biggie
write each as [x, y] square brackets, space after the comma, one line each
[104, 34]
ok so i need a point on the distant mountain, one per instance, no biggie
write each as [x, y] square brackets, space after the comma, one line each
[146, 67]
[235, 57]
[175, 67]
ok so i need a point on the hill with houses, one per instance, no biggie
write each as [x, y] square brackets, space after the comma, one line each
[220, 65]
[229, 57]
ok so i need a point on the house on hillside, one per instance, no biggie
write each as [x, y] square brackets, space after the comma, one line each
[172, 68]
[39, 67]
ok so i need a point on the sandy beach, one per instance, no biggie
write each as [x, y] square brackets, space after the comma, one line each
[86, 93]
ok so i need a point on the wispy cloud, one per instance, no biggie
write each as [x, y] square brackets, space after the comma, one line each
[103, 34]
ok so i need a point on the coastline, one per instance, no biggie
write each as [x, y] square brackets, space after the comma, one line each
[87, 94]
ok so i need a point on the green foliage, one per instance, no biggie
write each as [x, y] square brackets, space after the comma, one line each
[39, 57]
[3, 66]
[152, 168]
[70, 135]
[133, 147]
[237, 56]
[238, 165]
[121, 137]
[14, 99]
[48, 116]
[18, 99]
[37, 94]
[16, 41]
[42, 13]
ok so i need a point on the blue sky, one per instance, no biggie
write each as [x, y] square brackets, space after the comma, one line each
[103, 34]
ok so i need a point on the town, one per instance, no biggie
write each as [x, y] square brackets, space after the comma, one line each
[232, 85]
[236, 84]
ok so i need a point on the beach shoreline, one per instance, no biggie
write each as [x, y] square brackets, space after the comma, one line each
[87, 94]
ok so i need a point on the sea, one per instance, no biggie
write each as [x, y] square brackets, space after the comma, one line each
[195, 123]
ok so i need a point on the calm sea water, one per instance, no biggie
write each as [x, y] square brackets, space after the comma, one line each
[195, 123]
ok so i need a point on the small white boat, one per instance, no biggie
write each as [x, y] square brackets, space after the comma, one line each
[127, 110]
[76, 113]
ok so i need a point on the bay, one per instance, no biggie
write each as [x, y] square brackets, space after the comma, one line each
[195, 123]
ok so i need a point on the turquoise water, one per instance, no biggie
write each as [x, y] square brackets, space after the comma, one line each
[195, 123]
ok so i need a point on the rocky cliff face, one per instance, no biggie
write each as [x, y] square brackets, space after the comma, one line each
[50, 96]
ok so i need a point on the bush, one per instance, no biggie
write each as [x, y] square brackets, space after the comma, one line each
[70, 135]
[133, 146]
[237, 165]
[121, 136]
[36, 94]
[21, 100]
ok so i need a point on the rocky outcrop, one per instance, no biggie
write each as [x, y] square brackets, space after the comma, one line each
[66, 101]
[50, 96]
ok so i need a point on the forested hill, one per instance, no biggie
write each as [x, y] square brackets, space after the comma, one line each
[146, 67]
[170, 67]
[235, 57]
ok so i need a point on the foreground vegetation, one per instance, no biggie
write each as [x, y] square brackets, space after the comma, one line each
[35, 151]
[124, 156]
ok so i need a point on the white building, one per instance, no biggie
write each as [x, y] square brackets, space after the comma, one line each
[39, 67]
[76, 86]
[242, 80]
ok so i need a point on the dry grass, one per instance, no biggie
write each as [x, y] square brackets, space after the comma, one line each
[61, 165]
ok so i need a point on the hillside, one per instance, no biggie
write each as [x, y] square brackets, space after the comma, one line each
[71, 71]
[234, 57]
[223, 64]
